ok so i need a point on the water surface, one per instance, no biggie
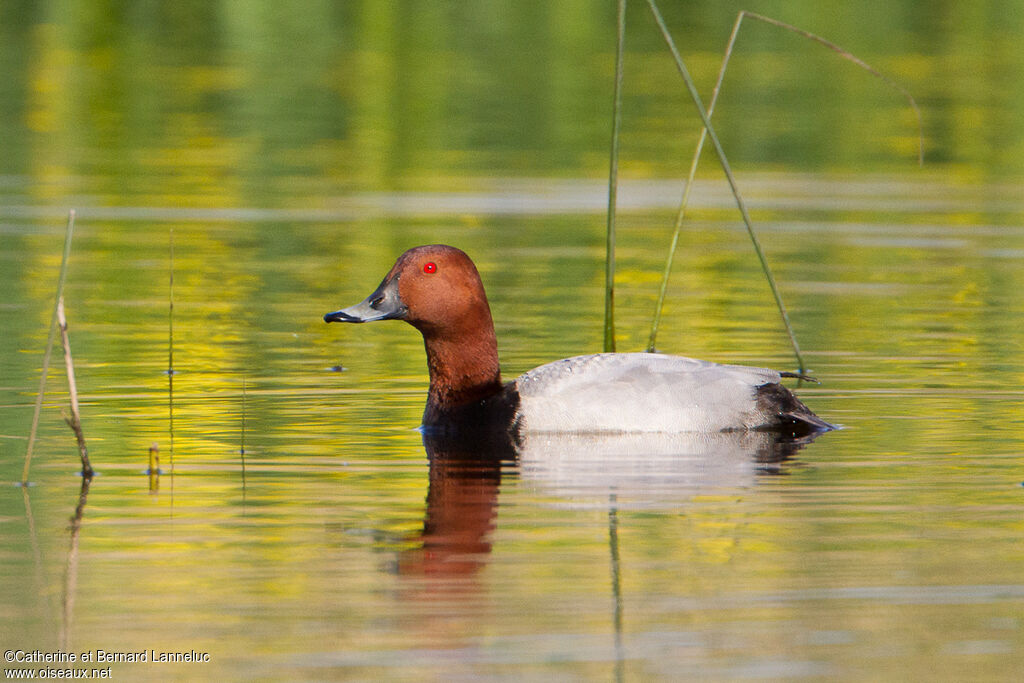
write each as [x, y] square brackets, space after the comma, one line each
[299, 531]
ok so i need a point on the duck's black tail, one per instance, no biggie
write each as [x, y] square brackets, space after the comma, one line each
[792, 417]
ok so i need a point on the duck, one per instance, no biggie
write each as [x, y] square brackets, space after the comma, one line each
[438, 290]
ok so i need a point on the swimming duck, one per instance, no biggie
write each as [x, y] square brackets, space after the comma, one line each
[437, 289]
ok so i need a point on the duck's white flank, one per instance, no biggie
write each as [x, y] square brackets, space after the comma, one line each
[649, 392]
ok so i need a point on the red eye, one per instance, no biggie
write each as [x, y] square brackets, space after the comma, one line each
[430, 267]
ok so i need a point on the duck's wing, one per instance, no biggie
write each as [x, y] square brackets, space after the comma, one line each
[629, 392]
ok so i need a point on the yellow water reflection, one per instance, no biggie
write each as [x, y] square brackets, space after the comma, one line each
[294, 155]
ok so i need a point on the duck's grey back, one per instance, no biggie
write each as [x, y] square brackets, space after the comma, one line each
[642, 392]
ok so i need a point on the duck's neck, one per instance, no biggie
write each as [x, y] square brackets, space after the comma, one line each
[463, 367]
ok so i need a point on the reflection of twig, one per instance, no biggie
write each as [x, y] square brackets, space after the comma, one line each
[613, 547]
[49, 346]
[71, 570]
[75, 420]
[241, 449]
[37, 555]
[154, 468]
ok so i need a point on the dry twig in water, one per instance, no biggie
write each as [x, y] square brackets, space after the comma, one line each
[74, 420]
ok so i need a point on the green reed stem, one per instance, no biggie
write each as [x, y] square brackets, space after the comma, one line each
[659, 306]
[703, 136]
[681, 67]
[49, 346]
[170, 349]
[613, 182]
[242, 446]
[850, 57]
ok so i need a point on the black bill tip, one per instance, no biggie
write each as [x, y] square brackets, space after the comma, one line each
[340, 317]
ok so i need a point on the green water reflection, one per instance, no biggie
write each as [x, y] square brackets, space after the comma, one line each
[293, 155]
[243, 104]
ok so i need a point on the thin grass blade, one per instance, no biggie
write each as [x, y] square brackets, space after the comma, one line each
[613, 180]
[699, 104]
[49, 346]
[663, 290]
[845, 54]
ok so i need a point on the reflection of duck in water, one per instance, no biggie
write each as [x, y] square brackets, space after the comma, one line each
[462, 503]
[437, 290]
[467, 465]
